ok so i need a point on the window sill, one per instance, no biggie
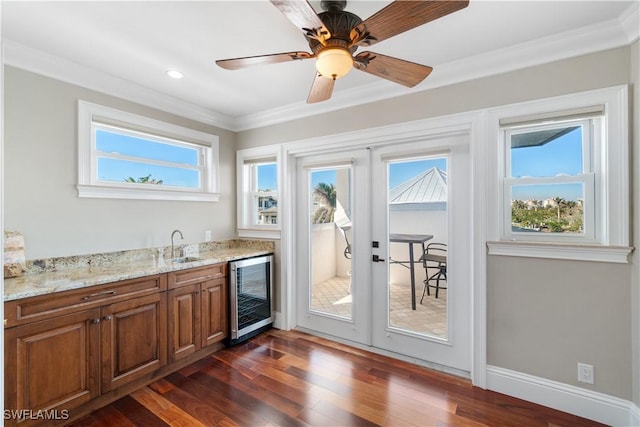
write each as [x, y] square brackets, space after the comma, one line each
[575, 252]
[259, 233]
[106, 192]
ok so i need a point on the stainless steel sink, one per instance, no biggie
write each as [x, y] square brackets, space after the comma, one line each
[184, 259]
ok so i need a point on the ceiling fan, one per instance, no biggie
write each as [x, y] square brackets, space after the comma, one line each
[335, 34]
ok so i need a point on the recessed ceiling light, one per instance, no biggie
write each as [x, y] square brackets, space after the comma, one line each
[175, 74]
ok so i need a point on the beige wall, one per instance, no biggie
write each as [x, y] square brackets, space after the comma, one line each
[41, 173]
[635, 188]
[604, 69]
[544, 316]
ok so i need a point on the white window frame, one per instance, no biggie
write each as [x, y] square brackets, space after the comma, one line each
[608, 240]
[247, 193]
[591, 162]
[93, 116]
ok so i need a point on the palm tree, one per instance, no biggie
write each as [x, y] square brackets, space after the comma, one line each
[144, 180]
[327, 195]
[559, 201]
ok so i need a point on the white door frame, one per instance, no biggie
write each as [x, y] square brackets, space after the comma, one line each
[472, 124]
[453, 352]
[357, 328]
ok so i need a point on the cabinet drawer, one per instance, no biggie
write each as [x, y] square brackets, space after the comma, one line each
[196, 275]
[44, 306]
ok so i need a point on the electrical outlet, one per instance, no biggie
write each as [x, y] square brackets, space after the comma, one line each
[585, 373]
[207, 235]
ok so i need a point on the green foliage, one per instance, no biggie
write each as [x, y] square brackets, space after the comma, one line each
[565, 216]
[144, 180]
[326, 193]
[323, 215]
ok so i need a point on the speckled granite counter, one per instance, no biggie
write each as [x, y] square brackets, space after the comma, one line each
[62, 274]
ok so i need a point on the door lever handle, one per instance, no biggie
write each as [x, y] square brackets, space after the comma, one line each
[377, 258]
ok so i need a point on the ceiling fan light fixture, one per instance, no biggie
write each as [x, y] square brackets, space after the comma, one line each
[334, 62]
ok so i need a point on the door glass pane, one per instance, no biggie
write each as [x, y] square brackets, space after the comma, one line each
[417, 212]
[330, 230]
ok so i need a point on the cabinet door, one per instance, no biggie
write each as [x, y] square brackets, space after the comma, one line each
[184, 321]
[53, 364]
[214, 311]
[133, 339]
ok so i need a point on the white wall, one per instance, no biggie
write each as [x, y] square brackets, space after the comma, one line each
[432, 222]
[323, 252]
[41, 169]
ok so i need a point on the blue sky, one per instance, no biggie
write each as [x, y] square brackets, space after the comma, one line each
[267, 179]
[561, 156]
[117, 170]
[398, 173]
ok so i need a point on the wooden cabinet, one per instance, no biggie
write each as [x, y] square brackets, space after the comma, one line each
[214, 311]
[184, 316]
[68, 348]
[53, 363]
[79, 350]
[133, 336]
[197, 301]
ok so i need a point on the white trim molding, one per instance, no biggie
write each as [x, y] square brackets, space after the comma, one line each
[90, 186]
[584, 403]
[612, 192]
[471, 124]
[610, 34]
[615, 254]
[246, 222]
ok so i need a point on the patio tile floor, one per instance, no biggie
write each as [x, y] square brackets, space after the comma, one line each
[430, 318]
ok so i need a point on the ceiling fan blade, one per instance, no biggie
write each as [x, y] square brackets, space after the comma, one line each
[248, 61]
[396, 70]
[401, 16]
[303, 16]
[321, 89]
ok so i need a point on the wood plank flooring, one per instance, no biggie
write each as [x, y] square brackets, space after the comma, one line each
[294, 379]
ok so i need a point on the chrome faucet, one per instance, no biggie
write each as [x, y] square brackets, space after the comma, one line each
[173, 255]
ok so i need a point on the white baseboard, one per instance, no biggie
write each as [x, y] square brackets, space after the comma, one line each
[277, 320]
[635, 415]
[563, 397]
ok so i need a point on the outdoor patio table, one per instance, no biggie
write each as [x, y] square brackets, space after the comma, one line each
[411, 239]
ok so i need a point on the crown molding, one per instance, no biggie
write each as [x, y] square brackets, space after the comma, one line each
[618, 32]
[39, 62]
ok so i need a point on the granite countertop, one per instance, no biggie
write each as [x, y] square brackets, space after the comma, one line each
[75, 277]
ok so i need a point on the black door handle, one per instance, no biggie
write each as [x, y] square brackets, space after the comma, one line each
[377, 258]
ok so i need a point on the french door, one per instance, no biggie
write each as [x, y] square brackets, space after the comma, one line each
[383, 253]
[333, 196]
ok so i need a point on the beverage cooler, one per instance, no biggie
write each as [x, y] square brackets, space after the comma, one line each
[251, 292]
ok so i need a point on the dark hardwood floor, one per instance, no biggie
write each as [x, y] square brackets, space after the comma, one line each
[294, 379]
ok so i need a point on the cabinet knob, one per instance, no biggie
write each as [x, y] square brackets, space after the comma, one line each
[96, 320]
[107, 317]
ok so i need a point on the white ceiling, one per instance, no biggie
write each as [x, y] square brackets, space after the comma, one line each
[125, 48]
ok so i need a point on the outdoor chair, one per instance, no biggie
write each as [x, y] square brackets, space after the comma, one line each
[434, 257]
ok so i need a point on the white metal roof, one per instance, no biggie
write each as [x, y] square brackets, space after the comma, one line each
[426, 187]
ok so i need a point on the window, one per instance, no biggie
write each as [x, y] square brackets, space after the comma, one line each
[122, 155]
[563, 175]
[259, 213]
[263, 203]
[549, 180]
